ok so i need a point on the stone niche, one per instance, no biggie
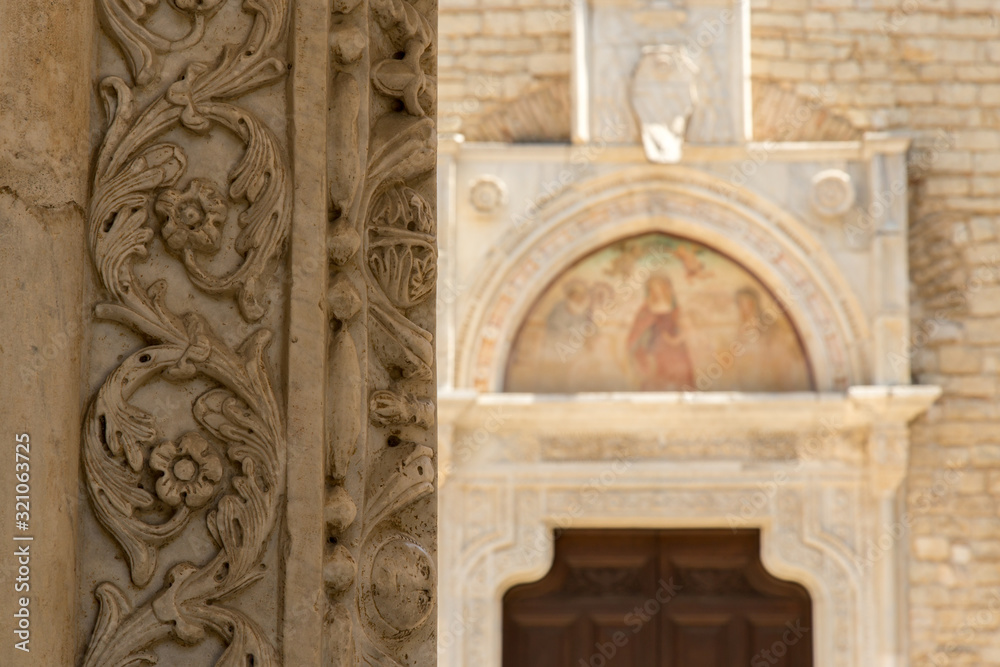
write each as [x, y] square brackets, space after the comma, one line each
[245, 192]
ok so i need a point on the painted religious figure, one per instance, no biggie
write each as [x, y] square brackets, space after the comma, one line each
[657, 313]
[656, 343]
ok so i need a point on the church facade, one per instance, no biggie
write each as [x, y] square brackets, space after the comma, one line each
[716, 270]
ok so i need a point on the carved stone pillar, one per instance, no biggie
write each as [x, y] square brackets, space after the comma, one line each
[254, 446]
[45, 62]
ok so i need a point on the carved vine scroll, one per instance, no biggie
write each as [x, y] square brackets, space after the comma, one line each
[146, 489]
[380, 567]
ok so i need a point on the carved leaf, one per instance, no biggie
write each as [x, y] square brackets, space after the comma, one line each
[410, 478]
[114, 608]
[119, 212]
[242, 521]
[113, 457]
[401, 344]
[409, 151]
[372, 656]
[247, 643]
[119, 106]
[404, 264]
[261, 179]
[138, 45]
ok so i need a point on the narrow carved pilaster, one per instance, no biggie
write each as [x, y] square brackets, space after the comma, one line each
[184, 443]
[379, 568]
[258, 449]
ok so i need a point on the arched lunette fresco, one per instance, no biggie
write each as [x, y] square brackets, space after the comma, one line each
[657, 312]
[768, 242]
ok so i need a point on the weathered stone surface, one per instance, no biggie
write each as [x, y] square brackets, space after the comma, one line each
[44, 145]
[219, 491]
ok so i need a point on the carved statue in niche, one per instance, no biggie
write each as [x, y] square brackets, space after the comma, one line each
[657, 313]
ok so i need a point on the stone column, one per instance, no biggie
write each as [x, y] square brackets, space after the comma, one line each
[219, 225]
[45, 61]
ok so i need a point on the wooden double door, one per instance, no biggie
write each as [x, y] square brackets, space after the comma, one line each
[658, 598]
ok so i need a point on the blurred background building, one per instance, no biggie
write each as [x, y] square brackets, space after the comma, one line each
[719, 328]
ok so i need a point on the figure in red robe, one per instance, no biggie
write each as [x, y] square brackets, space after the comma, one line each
[656, 343]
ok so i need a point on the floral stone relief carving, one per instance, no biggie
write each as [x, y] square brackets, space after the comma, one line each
[145, 487]
[189, 220]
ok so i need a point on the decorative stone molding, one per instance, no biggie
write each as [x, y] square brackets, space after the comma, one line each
[488, 194]
[272, 248]
[379, 571]
[138, 170]
[505, 496]
[832, 193]
[772, 244]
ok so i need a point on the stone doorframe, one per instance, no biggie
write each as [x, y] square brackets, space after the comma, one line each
[819, 474]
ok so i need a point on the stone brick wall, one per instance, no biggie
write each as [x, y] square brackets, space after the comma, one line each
[504, 69]
[931, 67]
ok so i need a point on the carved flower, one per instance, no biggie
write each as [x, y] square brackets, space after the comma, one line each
[193, 218]
[190, 471]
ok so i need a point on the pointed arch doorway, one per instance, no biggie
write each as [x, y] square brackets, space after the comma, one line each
[657, 598]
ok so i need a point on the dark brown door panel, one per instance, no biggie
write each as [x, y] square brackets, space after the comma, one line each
[658, 598]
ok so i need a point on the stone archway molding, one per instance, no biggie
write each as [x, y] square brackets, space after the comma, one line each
[768, 241]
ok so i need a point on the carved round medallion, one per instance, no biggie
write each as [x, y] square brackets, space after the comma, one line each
[402, 584]
[488, 194]
[832, 193]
